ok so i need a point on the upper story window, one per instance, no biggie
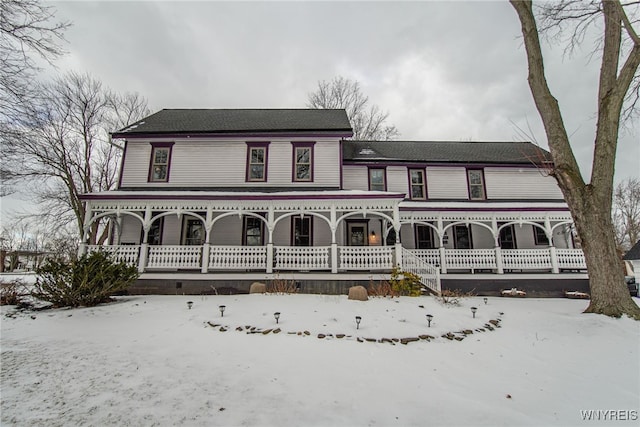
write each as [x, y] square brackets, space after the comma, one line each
[160, 162]
[257, 160]
[475, 179]
[377, 179]
[302, 161]
[418, 184]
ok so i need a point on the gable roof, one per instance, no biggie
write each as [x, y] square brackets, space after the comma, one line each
[203, 121]
[634, 252]
[444, 151]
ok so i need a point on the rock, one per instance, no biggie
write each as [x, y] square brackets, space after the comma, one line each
[339, 335]
[223, 329]
[371, 340]
[458, 338]
[467, 332]
[277, 331]
[321, 336]
[307, 333]
[494, 322]
[358, 293]
[425, 337]
[258, 288]
[406, 341]
[266, 331]
[239, 328]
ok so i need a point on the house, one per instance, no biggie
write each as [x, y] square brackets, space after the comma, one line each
[632, 261]
[221, 198]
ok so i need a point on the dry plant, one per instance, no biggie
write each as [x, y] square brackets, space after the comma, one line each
[452, 297]
[282, 286]
[11, 293]
[381, 289]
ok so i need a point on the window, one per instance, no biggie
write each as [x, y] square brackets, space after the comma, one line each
[257, 162]
[252, 231]
[160, 161]
[302, 231]
[302, 161]
[475, 179]
[193, 232]
[357, 233]
[418, 187]
[424, 237]
[540, 237]
[377, 180]
[507, 237]
[154, 237]
[462, 235]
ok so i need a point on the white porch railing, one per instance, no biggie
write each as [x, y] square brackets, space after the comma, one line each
[366, 257]
[184, 257]
[121, 253]
[302, 258]
[349, 258]
[571, 259]
[238, 257]
[470, 259]
[429, 274]
[526, 259]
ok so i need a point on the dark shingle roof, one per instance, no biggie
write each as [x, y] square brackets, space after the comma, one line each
[444, 151]
[196, 121]
[634, 252]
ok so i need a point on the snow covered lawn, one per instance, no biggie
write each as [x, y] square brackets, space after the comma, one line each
[150, 361]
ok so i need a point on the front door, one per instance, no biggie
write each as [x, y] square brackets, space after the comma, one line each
[357, 234]
[508, 237]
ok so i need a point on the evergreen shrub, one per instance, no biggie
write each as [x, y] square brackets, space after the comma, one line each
[87, 281]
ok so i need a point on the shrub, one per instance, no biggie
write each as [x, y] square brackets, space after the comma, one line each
[87, 281]
[282, 286]
[405, 283]
[452, 297]
[11, 293]
[381, 289]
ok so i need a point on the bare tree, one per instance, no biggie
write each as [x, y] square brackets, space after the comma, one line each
[368, 122]
[27, 31]
[626, 213]
[590, 203]
[63, 149]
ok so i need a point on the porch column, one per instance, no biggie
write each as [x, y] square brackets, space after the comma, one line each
[555, 268]
[499, 264]
[443, 260]
[552, 249]
[334, 245]
[144, 246]
[82, 247]
[206, 245]
[396, 227]
[270, 226]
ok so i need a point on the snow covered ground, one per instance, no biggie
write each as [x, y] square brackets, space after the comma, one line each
[151, 361]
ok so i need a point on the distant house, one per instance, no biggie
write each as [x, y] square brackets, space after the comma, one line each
[212, 197]
[632, 258]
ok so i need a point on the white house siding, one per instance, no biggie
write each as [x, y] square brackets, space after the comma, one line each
[520, 183]
[130, 232]
[397, 179]
[222, 163]
[355, 177]
[447, 183]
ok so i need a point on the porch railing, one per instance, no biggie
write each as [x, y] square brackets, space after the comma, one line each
[366, 257]
[184, 257]
[349, 258]
[302, 258]
[429, 274]
[526, 259]
[238, 257]
[122, 253]
[470, 259]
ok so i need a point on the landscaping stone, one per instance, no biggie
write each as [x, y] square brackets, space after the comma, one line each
[258, 288]
[266, 331]
[358, 293]
[277, 331]
[339, 335]
[307, 333]
[321, 336]
[406, 341]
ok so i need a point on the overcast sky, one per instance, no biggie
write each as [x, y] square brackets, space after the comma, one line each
[443, 70]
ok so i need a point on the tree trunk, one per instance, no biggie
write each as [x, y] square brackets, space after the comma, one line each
[609, 293]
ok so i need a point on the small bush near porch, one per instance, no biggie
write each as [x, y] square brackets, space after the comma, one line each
[88, 281]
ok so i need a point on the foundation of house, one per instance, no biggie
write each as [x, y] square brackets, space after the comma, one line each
[535, 285]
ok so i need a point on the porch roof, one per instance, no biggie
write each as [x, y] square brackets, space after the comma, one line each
[241, 195]
[488, 206]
